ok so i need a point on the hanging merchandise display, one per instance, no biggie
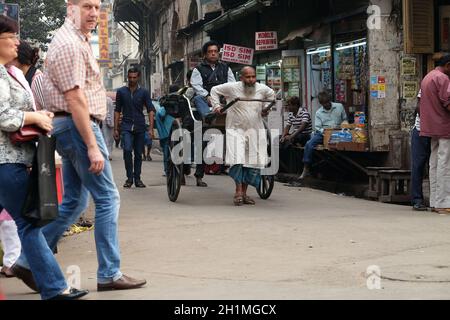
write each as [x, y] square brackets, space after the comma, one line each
[350, 74]
[351, 89]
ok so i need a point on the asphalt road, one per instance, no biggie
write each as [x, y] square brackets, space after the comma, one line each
[299, 244]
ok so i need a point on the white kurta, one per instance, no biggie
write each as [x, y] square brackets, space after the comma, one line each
[246, 137]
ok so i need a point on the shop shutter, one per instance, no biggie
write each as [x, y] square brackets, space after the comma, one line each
[418, 21]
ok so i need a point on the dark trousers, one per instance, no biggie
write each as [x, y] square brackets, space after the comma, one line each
[315, 140]
[300, 138]
[133, 142]
[420, 154]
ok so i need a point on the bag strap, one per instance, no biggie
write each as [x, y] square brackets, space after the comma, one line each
[17, 80]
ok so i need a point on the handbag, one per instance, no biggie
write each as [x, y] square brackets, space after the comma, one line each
[26, 134]
[41, 203]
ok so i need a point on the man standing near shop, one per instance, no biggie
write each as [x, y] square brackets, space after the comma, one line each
[330, 115]
[130, 101]
[435, 123]
[211, 72]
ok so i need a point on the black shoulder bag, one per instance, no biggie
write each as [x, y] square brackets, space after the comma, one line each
[41, 203]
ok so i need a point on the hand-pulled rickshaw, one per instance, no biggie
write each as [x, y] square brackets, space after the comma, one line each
[186, 117]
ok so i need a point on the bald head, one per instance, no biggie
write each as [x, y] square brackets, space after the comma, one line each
[247, 69]
[248, 76]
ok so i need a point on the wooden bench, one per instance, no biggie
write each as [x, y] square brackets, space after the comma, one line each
[395, 186]
[374, 181]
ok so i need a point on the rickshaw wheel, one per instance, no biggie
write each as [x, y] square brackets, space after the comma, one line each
[174, 171]
[266, 187]
[267, 182]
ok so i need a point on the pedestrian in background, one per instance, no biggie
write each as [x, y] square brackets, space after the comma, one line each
[130, 102]
[420, 155]
[108, 127]
[10, 243]
[148, 143]
[163, 122]
[435, 123]
[26, 61]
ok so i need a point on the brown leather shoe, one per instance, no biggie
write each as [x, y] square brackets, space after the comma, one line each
[25, 275]
[124, 283]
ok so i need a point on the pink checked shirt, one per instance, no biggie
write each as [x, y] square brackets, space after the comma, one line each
[71, 64]
[435, 97]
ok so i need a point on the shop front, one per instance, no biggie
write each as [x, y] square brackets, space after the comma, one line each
[337, 62]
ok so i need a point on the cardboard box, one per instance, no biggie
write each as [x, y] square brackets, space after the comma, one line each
[349, 146]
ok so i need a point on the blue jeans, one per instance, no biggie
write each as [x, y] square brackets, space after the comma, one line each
[133, 142]
[78, 183]
[316, 139]
[164, 143]
[202, 105]
[420, 154]
[46, 271]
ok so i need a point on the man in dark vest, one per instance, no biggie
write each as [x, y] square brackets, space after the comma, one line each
[211, 72]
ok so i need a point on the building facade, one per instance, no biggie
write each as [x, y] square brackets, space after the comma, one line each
[369, 54]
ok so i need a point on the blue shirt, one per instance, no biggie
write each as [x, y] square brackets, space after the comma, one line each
[131, 105]
[332, 118]
[163, 123]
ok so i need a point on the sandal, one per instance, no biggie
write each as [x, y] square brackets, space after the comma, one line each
[238, 200]
[442, 210]
[248, 200]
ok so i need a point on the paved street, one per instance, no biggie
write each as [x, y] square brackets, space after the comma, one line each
[299, 244]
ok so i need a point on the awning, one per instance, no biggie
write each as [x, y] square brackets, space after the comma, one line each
[126, 11]
[236, 14]
[196, 25]
[299, 33]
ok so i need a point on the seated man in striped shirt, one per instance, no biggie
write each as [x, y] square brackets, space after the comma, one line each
[299, 125]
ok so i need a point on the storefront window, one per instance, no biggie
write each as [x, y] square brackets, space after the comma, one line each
[350, 75]
[270, 75]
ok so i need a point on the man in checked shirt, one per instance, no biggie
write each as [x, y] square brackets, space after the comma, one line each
[74, 92]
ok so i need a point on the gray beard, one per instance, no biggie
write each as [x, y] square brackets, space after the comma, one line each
[249, 90]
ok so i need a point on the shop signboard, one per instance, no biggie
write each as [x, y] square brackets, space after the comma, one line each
[103, 39]
[236, 54]
[408, 66]
[410, 89]
[267, 40]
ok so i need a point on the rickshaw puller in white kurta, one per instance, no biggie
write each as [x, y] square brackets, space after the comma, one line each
[246, 140]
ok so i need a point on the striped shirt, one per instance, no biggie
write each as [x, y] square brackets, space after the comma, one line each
[417, 123]
[36, 88]
[71, 64]
[301, 117]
